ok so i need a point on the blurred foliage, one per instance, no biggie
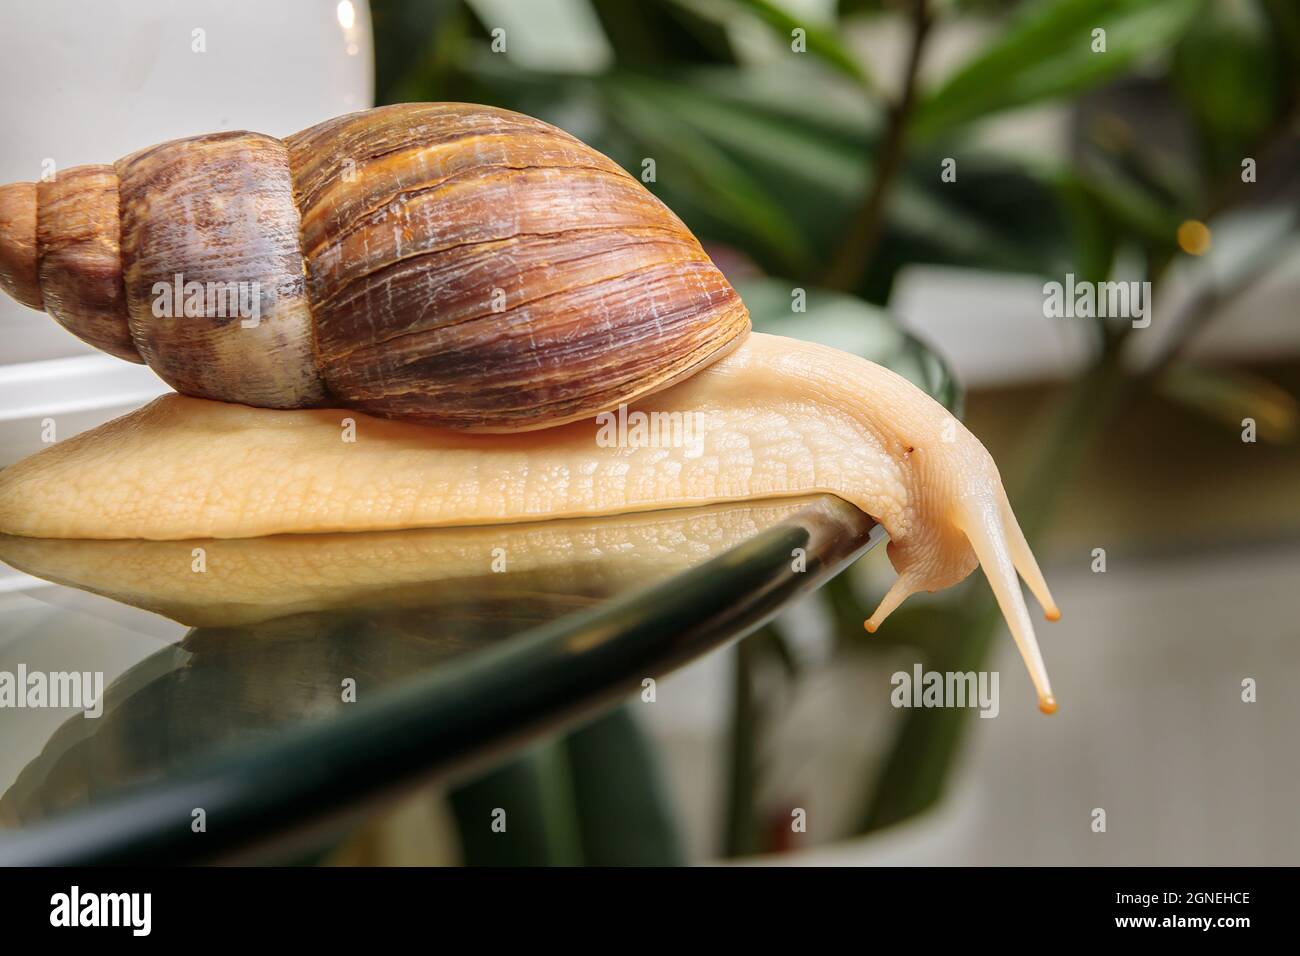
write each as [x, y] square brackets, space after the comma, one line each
[791, 161]
[1049, 50]
[592, 798]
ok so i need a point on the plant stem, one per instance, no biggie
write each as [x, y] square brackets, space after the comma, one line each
[854, 253]
[741, 819]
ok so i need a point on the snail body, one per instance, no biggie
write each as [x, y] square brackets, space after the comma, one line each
[778, 418]
[450, 268]
[446, 264]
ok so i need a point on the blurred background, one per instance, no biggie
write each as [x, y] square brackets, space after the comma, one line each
[937, 161]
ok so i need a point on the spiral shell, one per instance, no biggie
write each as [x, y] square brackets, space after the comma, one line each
[447, 264]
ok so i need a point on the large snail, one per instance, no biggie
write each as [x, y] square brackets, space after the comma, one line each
[475, 270]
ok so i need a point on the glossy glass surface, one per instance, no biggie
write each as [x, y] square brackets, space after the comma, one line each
[450, 661]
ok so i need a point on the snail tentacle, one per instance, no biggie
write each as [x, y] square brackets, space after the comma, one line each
[982, 522]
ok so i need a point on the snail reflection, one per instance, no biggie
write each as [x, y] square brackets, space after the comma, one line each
[280, 624]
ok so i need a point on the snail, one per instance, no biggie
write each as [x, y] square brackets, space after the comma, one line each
[430, 271]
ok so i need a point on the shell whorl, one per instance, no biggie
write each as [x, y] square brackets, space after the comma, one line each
[450, 264]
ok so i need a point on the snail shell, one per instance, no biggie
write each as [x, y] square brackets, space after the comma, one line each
[446, 264]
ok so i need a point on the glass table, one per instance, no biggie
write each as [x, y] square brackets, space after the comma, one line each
[275, 698]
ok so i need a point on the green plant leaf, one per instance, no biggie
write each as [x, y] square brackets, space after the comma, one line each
[656, 32]
[1123, 206]
[1226, 71]
[624, 814]
[821, 42]
[593, 797]
[849, 8]
[416, 39]
[1228, 396]
[536, 793]
[715, 182]
[1095, 237]
[742, 827]
[814, 167]
[744, 164]
[1048, 52]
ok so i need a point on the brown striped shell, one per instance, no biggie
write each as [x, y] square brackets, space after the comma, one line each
[449, 264]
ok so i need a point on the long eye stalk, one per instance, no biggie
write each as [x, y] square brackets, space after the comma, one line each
[1001, 548]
